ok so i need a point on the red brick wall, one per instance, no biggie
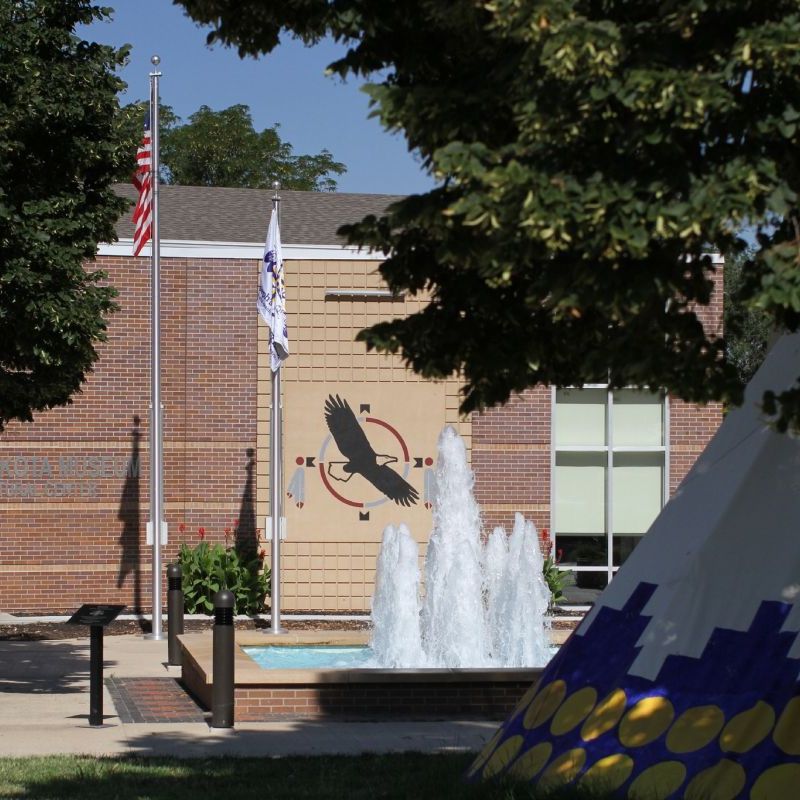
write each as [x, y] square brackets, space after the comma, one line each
[74, 539]
[692, 426]
[464, 700]
[511, 460]
[88, 545]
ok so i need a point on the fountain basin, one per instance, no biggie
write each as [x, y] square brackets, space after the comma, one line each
[262, 695]
[318, 656]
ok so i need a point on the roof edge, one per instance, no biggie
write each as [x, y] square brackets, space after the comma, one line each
[176, 248]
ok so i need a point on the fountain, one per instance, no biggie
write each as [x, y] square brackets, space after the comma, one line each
[468, 647]
[397, 636]
[484, 605]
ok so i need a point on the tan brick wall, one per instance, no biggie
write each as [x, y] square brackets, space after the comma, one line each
[337, 574]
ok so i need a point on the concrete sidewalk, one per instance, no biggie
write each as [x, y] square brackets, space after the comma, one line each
[44, 708]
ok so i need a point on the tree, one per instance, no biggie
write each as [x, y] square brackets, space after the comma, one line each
[589, 154]
[58, 155]
[222, 148]
[130, 128]
[747, 329]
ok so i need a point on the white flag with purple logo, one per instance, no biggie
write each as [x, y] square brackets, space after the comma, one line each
[272, 295]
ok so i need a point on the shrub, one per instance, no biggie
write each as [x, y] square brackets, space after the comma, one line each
[556, 579]
[207, 568]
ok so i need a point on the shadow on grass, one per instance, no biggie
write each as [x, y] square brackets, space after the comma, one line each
[45, 667]
[409, 775]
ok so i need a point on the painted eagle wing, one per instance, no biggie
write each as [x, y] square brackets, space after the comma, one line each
[347, 433]
[396, 488]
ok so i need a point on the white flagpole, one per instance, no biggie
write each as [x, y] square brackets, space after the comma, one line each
[156, 421]
[276, 477]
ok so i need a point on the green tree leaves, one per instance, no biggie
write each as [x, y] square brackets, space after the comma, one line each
[589, 155]
[222, 148]
[58, 155]
[747, 329]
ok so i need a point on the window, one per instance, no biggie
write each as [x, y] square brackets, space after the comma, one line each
[609, 473]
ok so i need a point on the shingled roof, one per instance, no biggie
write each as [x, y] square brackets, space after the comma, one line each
[216, 214]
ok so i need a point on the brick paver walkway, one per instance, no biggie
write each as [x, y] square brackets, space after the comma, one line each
[153, 700]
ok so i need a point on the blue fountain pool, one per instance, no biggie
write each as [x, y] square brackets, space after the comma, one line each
[317, 656]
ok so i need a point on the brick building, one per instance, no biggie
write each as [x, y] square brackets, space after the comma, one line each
[591, 465]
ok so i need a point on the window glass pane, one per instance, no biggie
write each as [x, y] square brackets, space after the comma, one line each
[580, 417]
[638, 419]
[573, 550]
[623, 547]
[580, 493]
[637, 489]
[586, 588]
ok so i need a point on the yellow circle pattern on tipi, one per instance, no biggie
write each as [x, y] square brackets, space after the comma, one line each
[657, 782]
[563, 769]
[777, 783]
[787, 731]
[723, 781]
[606, 715]
[544, 704]
[695, 728]
[531, 762]
[608, 774]
[573, 711]
[503, 756]
[747, 729]
[646, 721]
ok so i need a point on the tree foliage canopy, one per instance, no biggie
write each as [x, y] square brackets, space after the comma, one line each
[222, 148]
[588, 154]
[58, 156]
[747, 329]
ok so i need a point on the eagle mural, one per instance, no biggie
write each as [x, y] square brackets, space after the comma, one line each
[361, 457]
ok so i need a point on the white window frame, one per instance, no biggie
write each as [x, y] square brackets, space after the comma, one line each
[609, 450]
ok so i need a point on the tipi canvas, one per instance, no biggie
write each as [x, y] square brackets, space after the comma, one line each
[682, 681]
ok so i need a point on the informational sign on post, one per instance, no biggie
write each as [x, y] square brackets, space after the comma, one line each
[96, 616]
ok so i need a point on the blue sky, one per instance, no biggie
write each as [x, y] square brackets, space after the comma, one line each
[288, 87]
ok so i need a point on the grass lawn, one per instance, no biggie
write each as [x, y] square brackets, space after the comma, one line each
[322, 778]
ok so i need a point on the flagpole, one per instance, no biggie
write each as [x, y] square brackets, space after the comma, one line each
[276, 477]
[156, 421]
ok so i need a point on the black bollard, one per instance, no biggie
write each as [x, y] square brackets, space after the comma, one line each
[174, 614]
[95, 674]
[222, 686]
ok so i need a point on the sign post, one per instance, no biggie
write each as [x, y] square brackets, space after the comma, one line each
[96, 617]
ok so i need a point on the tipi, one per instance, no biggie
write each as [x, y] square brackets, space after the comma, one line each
[682, 681]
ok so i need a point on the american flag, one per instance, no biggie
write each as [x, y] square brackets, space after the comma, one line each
[142, 180]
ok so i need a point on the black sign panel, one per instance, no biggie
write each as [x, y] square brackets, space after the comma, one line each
[94, 614]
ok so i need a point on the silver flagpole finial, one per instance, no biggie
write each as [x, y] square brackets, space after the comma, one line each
[155, 60]
[276, 185]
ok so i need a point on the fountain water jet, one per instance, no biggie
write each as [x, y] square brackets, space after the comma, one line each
[484, 606]
[396, 640]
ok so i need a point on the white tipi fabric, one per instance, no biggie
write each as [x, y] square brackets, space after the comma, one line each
[683, 679]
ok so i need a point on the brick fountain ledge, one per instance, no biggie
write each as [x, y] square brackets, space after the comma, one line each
[262, 695]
